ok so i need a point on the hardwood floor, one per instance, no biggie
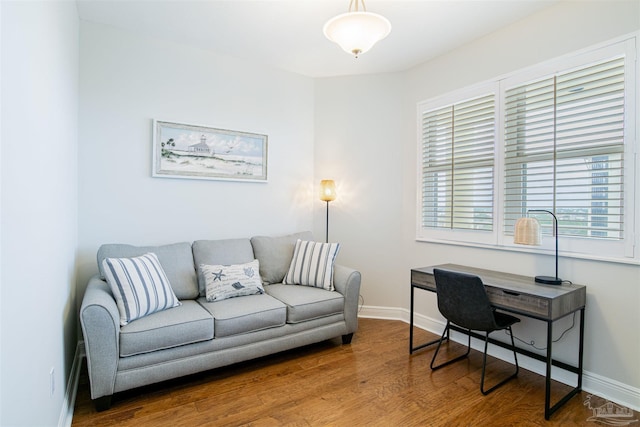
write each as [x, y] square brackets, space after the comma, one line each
[371, 382]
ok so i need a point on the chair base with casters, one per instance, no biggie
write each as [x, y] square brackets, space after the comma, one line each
[463, 302]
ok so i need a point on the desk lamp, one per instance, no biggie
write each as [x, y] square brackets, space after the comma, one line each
[527, 232]
[327, 194]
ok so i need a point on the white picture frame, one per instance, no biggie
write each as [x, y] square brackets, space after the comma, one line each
[201, 152]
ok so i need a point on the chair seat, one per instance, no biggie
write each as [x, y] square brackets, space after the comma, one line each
[504, 320]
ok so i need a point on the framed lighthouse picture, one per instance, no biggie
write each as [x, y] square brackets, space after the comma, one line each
[202, 152]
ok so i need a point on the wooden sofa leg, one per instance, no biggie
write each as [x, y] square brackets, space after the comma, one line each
[103, 403]
[346, 339]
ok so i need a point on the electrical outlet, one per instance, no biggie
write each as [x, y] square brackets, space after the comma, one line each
[52, 382]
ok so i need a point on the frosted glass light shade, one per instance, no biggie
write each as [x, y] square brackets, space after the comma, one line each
[327, 190]
[357, 32]
[527, 232]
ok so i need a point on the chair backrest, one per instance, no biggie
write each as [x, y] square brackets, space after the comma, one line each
[463, 300]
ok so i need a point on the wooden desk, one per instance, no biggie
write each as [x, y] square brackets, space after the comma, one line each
[520, 295]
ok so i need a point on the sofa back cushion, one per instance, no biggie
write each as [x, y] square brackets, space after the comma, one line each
[275, 254]
[176, 260]
[220, 252]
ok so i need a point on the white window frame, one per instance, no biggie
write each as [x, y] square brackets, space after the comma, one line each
[457, 235]
[625, 250]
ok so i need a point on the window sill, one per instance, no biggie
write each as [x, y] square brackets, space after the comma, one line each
[533, 250]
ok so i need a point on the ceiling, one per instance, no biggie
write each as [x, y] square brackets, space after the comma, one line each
[287, 34]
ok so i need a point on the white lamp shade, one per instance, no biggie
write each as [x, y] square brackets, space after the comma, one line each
[527, 232]
[357, 32]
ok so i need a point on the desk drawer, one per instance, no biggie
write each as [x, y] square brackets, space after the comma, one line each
[423, 280]
[530, 304]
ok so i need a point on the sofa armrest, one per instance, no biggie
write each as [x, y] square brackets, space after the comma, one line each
[347, 281]
[100, 322]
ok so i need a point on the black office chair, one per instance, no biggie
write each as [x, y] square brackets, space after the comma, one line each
[463, 301]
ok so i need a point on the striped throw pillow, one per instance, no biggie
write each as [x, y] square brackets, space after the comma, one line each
[312, 264]
[139, 285]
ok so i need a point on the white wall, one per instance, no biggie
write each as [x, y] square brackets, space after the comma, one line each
[125, 82]
[360, 133]
[377, 222]
[38, 208]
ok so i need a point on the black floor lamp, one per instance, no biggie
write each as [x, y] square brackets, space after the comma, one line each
[327, 194]
[527, 232]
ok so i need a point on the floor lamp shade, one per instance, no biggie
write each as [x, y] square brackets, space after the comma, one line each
[327, 194]
[327, 190]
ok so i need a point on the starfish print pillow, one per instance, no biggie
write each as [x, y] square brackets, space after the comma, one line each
[228, 281]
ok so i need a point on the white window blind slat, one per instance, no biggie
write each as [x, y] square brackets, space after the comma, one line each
[564, 147]
[458, 165]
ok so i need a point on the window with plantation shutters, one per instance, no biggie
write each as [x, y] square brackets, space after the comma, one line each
[458, 165]
[564, 150]
[560, 136]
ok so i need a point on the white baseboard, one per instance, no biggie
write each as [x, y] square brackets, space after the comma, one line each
[69, 402]
[612, 390]
[598, 385]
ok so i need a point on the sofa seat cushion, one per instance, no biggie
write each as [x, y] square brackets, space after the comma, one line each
[186, 324]
[306, 303]
[245, 314]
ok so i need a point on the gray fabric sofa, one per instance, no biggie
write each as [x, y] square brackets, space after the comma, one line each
[200, 335]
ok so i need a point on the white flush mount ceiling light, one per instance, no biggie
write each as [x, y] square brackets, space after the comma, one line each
[357, 30]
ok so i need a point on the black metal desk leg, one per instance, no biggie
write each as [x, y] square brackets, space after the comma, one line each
[547, 384]
[581, 349]
[548, 409]
[411, 323]
[418, 347]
